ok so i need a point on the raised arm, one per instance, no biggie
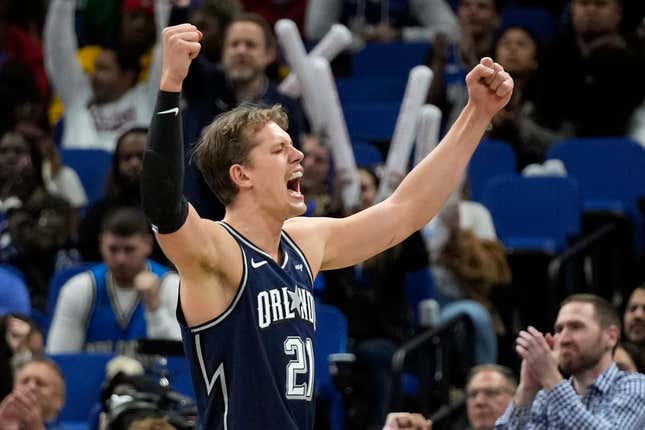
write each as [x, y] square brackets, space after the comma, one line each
[199, 248]
[61, 45]
[422, 192]
[177, 226]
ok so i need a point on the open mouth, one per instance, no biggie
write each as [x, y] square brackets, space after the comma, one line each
[293, 184]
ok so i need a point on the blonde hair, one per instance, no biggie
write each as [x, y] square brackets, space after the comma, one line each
[228, 141]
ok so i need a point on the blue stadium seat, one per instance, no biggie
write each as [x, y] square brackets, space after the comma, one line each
[84, 374]
[367, 155]
[14, 296]
[331, 338]
[610, 171]
[534, 213]
[92, 167]
[492, 158]
[391, 60]
[361, 90]
[419, 286]
[371, 121]
[58, 280]
[535, 19]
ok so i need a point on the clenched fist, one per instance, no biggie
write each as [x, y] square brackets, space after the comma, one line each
[180, 46]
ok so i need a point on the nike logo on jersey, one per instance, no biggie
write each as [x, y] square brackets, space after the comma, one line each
[174, 110]
[258, 264]
[299, 267]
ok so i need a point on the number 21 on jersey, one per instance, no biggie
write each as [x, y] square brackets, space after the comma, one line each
[302, 364]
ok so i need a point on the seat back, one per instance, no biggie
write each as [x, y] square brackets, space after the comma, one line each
[84, 373]
[92, 167]
[390, 60]
[371, 121]
[534, 213]
[492, 158]
[14, 296]
[610, 171]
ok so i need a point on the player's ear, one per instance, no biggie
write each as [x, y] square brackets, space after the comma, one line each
[240, 176]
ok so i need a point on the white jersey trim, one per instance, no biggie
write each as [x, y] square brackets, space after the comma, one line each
[232, 305]
[210, 383]
[301, 255]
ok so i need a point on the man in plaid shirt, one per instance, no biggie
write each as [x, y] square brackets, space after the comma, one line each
[596, 396]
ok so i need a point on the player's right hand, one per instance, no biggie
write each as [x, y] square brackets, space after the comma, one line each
[180, 46]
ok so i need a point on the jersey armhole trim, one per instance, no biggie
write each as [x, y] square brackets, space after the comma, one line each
[301, 254]
[238, 295]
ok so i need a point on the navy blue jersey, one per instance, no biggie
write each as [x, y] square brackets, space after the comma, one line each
[253, 366]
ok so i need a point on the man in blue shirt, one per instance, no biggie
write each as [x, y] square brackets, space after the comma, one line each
[597, 395]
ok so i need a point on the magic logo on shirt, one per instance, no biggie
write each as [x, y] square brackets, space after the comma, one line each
[285, 303]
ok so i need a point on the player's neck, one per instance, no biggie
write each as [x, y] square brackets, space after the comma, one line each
[258, 227]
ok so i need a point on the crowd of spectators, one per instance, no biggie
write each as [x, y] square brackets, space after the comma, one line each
[83, 75]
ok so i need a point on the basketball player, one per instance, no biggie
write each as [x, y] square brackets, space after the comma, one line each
[246, 301]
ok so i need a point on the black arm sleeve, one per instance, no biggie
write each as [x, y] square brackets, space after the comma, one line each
[162, 175]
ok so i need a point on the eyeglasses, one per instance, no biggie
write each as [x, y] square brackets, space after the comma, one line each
[486, 392]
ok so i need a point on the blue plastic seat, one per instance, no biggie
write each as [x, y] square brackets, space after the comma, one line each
[391, 60]
[610, 171]
[84, 373]
[331, 338]
[367, 155]
[371, 121]
[92, 167]
[14, 295]
[362, 90]
[534, 213]
[492, 158]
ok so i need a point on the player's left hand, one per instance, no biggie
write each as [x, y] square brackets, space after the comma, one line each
[406, 420]
[489, 87]
[147, 284]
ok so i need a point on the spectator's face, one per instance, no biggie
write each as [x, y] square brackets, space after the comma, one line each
[315, 163]
[46, 384]
[108, 80]
[137, 29]
[516, 51]
[477, 17]
[368, 188]
[245, 55]
[624, 361]
[595, 17]
[125, 256]
[634, 319]
[488, 394]
[15, 158]
[130, 155]
[581, 340]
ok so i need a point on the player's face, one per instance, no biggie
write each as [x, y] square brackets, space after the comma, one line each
[581, 340]
[245, 55]
[275, 171]
[125, 256]
[634, 320]
[516, 52]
